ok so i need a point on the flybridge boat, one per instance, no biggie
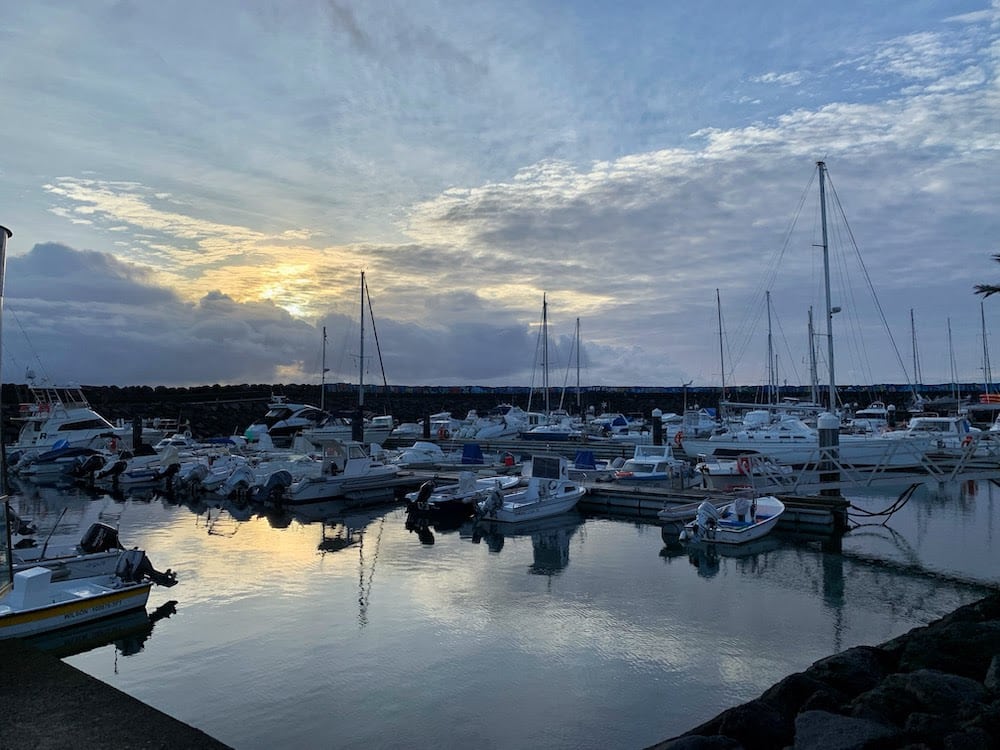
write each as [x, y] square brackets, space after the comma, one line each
[61, 415]
[337, 429]
[283, 420]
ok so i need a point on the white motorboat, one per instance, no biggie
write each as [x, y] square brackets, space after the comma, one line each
[547, 490]
[743, 520]
[283, 420]
[60, 415]
[99, 552]
[36, 599]
[655, 465]
[347, 471]
[459, 498]
[792, 442]
[948, 432]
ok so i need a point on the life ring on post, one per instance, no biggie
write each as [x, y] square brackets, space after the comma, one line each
[443, 433]
[743, 465]
[678, 438]
[966, 441]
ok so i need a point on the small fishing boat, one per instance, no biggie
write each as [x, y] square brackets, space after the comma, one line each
[547, 491]
[459, 498]
[743, 520]
[34, 599]
[655, 465]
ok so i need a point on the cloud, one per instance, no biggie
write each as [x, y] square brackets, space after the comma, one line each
[469, 170]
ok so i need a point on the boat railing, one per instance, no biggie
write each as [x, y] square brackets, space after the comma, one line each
[824, 469]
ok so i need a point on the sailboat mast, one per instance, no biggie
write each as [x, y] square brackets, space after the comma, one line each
[545, 351]
[813, 373]
[770, 355]
[361, 357]
[987, 375]
[322, 377]
[722, 357]
[918, 377]
[826, 276]
[579, 409]
[5, 234]
[956, 389]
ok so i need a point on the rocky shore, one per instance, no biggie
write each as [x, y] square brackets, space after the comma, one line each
[937, 686]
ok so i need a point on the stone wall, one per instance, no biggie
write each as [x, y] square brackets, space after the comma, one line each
[937, 686]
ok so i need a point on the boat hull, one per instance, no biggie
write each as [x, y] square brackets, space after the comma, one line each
[64, 614]
[513, 511]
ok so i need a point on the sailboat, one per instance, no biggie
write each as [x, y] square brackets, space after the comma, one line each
[553, 425]
[785, 437]
[340, 428]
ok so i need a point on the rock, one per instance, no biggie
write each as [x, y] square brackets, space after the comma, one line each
[924, 691]
[970, 739]
[757, 726]
[699, 742]
[963, 648]
[797, 690]
[822, 730]
[852, 671]
[992, 679]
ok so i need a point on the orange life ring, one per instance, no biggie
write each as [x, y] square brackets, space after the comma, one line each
[743, 465]
[678, 438]
[443, 433]
[967, 440]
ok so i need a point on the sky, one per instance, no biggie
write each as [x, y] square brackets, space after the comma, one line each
[195, 189]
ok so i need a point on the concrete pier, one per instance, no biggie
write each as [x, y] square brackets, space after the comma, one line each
[49, 705]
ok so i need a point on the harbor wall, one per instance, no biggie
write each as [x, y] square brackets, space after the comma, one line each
[215, 410]
[937, 686]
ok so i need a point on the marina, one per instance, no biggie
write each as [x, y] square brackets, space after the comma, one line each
[580, 630]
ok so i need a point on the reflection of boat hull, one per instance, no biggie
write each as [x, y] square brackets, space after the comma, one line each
[128, 630]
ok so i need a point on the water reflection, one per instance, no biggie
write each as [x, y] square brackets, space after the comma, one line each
[550, 539]
[128, 632]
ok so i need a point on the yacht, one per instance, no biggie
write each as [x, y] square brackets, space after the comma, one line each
[61, 416]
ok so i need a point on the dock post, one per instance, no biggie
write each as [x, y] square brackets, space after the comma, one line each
[427, 426]
[657, 427]
[829, 447]
[358, 426]
[136, 433]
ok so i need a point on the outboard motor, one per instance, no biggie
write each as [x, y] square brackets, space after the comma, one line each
[423, 495]
[112, 469]
[274, 486]
[133, 566]
[100, 537]
[87, 466]
[168, 473]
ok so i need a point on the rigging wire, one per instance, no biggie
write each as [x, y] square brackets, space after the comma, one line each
[31, 348]
[755, 307]
[378, 349]
[871, 286]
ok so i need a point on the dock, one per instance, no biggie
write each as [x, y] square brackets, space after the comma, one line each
[810, 513]
[49, 705]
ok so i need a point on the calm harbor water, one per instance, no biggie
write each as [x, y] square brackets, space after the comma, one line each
[347, 630]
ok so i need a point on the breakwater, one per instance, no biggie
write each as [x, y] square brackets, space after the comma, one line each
[214, 410]
[937, 686]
